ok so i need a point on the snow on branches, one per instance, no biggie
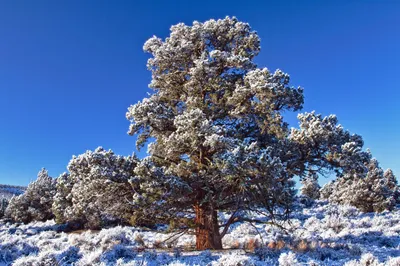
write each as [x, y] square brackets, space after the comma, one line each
[215, 128]
[375, 191]
[35, 203]
[96, 191]
[310, 187]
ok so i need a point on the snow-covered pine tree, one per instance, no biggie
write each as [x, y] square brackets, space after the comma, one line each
[218, 138]
[326, 191]
[310, 188]
[17, 209]
[391, 183]
[62, 198]
[35, 203]
[372, 192]
[96, 191]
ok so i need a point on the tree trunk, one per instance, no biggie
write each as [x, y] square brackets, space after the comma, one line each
[207, 230]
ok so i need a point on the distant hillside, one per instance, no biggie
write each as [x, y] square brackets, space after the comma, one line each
[7, 191]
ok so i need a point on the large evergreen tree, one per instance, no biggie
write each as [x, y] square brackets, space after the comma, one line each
[217, 137]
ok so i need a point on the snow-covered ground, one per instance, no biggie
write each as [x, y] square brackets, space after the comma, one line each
[322, 234]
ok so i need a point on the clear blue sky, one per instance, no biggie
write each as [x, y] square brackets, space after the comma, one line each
[70, 69]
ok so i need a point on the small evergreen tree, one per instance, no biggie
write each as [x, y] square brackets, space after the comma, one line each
[372, 192]
[62, 198]
[310, 187]
[391, 183]
[17, 209]
[35, 203]
[327, 190]
[96, 191]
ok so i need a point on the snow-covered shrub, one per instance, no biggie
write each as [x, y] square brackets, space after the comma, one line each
[118, 252]
[374, 192]
[310, 187]
[234, 260]
[366, 260]
[68, 256]
[348, 211]
[327, 190]
[14, 249]
[17, 209]
[96, 191]
[91, 258]
[119, 234]
[335, 222]
[288, 259]
[391, 182]
[41, 259]
[62, 198]
[35, 203]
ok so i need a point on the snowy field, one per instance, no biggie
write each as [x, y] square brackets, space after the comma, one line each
[322, 234]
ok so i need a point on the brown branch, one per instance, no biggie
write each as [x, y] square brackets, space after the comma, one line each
[230, 221]
[165, 159]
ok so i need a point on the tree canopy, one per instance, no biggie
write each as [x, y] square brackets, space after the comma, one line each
[217, 139]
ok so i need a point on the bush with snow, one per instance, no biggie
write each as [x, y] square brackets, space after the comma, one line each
[326, 191]
[96, 192]
[366, 260]
[118, 252]
[375, 191]
[229, 260]
[35, 204]
[288, 259]
[68, 256]
[391, 182]
[310, 187]
[62, 198]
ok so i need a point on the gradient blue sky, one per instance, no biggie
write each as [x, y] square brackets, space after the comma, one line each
[70, 69]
